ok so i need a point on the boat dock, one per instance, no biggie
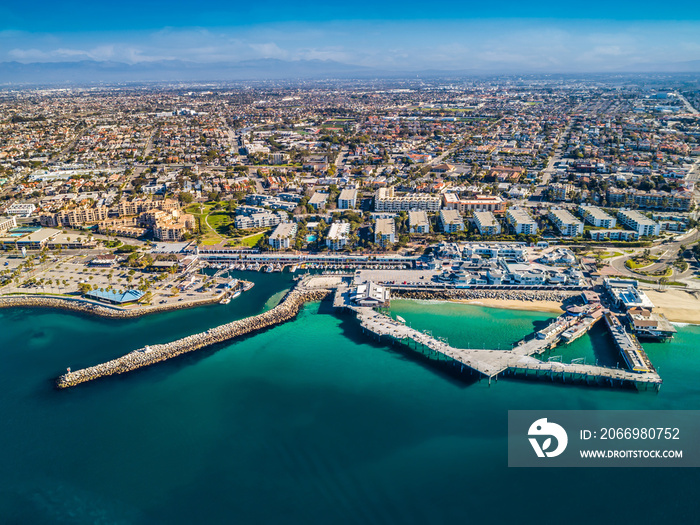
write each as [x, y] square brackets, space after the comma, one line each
[489, 363]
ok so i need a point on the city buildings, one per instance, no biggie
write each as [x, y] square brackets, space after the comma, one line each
[451, 221]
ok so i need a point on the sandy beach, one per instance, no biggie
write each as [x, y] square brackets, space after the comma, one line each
[512, 304]
[677, 305]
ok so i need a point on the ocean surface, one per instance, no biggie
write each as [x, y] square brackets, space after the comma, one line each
[309, 422]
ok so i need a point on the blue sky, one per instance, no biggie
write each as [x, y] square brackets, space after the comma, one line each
[542, 36]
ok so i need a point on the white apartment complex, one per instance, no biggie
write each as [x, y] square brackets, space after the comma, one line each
[521, 221]
[283, 236]
[384, 232]
[451, 221]
[596, 217]
[418, 222]
[7, 223]
[486, 223]
[347, 199]
[567, 224]
[338, 236]
[642, 224]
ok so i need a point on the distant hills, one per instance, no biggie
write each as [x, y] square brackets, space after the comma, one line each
[88, 71]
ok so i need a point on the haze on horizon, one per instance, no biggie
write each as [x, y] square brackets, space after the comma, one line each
[544, 37]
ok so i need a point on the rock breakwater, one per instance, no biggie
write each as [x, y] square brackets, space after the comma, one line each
[87, 307]
[286, 310]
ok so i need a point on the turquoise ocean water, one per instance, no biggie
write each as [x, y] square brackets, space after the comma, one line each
[309, 422]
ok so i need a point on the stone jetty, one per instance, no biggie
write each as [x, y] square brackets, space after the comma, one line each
[80, 305]
[286, 310]
[468, 294]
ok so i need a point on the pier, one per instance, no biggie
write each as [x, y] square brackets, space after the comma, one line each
[286, 310]
[518, 361]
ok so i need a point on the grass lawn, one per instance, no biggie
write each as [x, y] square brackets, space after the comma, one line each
[633, 265]
[610, 255]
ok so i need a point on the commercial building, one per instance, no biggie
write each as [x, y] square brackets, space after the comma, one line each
[384, 232]
[521, 221]
[451, 221]
[115, 296]
[418, 222]
[283, 236]
[385, 200]
[486, 223]
[567, 224]
[596, 217]
[370, 294]
[642, 224]
[338, 235]
[347, 199]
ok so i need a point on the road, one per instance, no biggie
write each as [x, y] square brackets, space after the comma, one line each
[687, 104]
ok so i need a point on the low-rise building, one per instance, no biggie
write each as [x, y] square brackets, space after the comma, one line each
[596, 217]
[567, 224]
[338, 235]
[347, 200]
[384, 232]
[418, 222]
[642, 224]
[21, 209]
[7, 223]
[451, 221]
[283, 236]
[486, 223]
[521, 221]
[613, 235]
[318, 200]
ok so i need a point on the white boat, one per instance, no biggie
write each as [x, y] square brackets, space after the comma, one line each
[236, 294]
[225, 300]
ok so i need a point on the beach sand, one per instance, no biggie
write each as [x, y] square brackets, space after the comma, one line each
[511, 304]
[677, 305]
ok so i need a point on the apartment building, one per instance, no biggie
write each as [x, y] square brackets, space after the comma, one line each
[21, 209]
[521, 221]
[486, 223]
[7, 223]
[338, 236]
[491, 203]
[418, 222]
[283, 236]
[613, 235]
[384, 232]
[642, 224]
[596, 217]
[318, 200]
[451, 221]
[385, 200]
[567, 224]
[347, 199]
[262, 219]
[680, 200]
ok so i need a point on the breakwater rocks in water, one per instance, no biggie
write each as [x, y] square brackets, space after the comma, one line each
[87, 307]
[149, 355]
[467, 294]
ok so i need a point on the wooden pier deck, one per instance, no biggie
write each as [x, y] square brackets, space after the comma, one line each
[491, 363]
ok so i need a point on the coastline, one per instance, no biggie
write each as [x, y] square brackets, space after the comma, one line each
[534, 305]
[679, 306]
[88, 307]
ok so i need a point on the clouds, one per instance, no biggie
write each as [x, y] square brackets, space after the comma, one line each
[477, 45]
